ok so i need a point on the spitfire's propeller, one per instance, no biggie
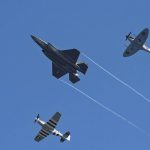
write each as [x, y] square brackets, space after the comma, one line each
[37, 117]
[127, 36]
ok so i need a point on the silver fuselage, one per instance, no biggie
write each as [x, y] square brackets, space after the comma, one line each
[47, 128]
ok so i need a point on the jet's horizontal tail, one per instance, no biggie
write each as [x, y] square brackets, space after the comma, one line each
[73, 78]
[83, 67]
[66, 136]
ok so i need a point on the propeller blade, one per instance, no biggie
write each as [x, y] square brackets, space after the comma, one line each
[38, 116]
[127, 36]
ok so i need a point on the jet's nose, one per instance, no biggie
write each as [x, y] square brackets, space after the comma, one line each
[33, 37]
[40, 42]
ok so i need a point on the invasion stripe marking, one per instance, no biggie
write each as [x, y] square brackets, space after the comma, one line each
[45, 132]
[53, 122]
[51, 125]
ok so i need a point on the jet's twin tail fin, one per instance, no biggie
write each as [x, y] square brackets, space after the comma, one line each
[66, 136]
[73, 78]
[83, 67]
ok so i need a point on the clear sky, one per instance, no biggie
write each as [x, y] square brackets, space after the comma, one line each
[96, 28]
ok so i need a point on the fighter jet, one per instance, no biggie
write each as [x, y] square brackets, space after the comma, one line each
[137, 43]
[49, 128]
[63, 61]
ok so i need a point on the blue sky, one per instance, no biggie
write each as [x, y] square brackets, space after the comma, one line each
[96, 28]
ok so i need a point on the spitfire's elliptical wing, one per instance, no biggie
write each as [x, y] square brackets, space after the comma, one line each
[130, 50]
[41, 135]
[142, 37]
[54, 120]
[57, 72]
[71, 54]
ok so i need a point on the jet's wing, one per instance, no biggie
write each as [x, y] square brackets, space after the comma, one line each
[57, 71]
[71, 54]
[54, 120]
[130, 50]
[41, 135]
[142, 37]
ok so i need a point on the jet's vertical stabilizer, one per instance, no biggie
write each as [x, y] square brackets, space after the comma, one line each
[73, 78]
[83, 67]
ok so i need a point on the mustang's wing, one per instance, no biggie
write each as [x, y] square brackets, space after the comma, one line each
[57, 71]
[71, 54]
[142, 37]
[130, 50]
[54, 120]
[41, 135]
[48, 128]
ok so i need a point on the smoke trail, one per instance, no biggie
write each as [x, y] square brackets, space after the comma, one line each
[106, 108]
[119, 80]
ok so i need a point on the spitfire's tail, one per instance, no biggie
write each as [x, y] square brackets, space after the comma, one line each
[83, 67]
[74, 78]
[66, 136]
[147, 49]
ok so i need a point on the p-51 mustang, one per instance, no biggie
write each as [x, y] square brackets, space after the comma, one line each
[63, 61]
[137, 43]
[49, 128]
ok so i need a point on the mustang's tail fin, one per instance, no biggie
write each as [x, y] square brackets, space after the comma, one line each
[83, 67]
[66, 136]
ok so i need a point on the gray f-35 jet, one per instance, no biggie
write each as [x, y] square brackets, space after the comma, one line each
[63, 61]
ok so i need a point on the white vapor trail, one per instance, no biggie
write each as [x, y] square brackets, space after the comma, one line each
[119, 80]
[106, 108]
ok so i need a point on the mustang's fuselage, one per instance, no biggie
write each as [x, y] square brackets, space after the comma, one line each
[47, 128]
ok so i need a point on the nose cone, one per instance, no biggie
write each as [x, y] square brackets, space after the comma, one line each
[40, 42]
[125, 54]
[146, 30]
[33, 37]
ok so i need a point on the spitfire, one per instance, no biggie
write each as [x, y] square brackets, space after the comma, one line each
[63, 61]
[136, 43]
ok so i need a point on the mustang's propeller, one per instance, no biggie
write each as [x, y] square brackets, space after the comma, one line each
[127, 36]
[37, 117]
